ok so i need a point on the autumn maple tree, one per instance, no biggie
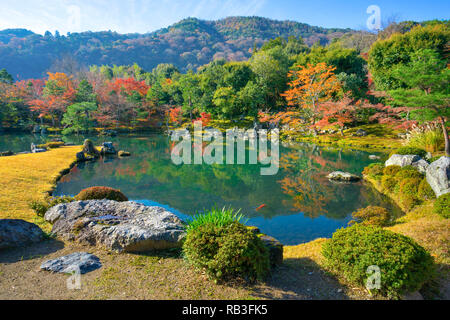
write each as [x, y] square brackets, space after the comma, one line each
[310, 86]
[337, 113]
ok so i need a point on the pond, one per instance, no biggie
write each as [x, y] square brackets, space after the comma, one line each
[299, 203]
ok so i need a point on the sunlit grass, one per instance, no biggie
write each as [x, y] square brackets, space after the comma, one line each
[28, 177]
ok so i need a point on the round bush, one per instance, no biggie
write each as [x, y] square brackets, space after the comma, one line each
[442, 205]
[100, 193]
[388, 183]
[425, 191]
[391, 170]
[372, 215]
[410, 150]
[404, 264]
[227, 252]
[374, 170]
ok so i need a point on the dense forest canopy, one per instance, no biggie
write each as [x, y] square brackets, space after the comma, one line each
[400, 79]
[187, 44]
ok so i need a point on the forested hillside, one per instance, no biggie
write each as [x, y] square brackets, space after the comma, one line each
[187, 44]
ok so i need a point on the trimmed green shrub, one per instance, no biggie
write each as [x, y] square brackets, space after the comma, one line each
[51, 145]
[388, 183]
[442, 205]
[425, 192]
[391, 170]
[404, 264]
[100, 193]
[408, 172]
[410, 150]
[41, 207]
[374, 170]
[226, 250]
[372, 215]
[410, 186]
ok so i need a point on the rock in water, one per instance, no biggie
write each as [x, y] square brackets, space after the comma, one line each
[124, 153]
[82, 261]
[89, 148]
[438, 176]
[402, 160]
[108, 148]
[17, 233]
[118, 226]
[343, 176]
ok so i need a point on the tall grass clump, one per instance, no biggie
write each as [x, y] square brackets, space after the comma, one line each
[428, 137]
[217, 217]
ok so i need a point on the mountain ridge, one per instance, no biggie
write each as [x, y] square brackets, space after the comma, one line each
[188, 44]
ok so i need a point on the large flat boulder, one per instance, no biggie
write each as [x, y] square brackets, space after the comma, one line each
[438, 176]
[79, 261]
[402, 160]
[18, 233]
[117, 226]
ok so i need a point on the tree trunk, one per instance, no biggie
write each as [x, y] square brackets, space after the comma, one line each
[447, 143]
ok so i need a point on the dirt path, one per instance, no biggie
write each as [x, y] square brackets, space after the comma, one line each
[162, 275]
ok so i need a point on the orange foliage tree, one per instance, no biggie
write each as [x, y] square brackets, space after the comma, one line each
[310, 86]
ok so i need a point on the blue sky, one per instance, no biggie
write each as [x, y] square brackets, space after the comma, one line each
[149, 15]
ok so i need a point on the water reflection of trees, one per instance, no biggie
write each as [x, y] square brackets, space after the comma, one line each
[300, 186]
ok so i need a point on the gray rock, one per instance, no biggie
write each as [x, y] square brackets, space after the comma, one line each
[34, 149]
[343, 176]
[361, 133]
[438, 176]
[118, 226]
[374, 157]
[274, 246]
[17, 233]
[108, 148]
[421, 165]
[82, 261]
[401, 160]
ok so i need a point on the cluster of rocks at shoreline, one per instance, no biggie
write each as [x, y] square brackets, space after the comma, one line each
[437, 173]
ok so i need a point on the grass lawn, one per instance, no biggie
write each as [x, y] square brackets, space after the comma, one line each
[28, 177]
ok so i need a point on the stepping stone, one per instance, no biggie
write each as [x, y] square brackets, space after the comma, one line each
[83, 261]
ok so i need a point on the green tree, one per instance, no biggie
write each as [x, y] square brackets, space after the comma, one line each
[225, 100]
[85, 92]
[425, 87]
[385, 55]
[5, 77]
[190, 87]
[77, 117]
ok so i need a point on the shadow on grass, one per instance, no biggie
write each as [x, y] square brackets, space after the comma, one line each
[34, 251]
[300, 279]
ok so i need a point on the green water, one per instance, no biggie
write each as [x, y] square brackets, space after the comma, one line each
[300, 203]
